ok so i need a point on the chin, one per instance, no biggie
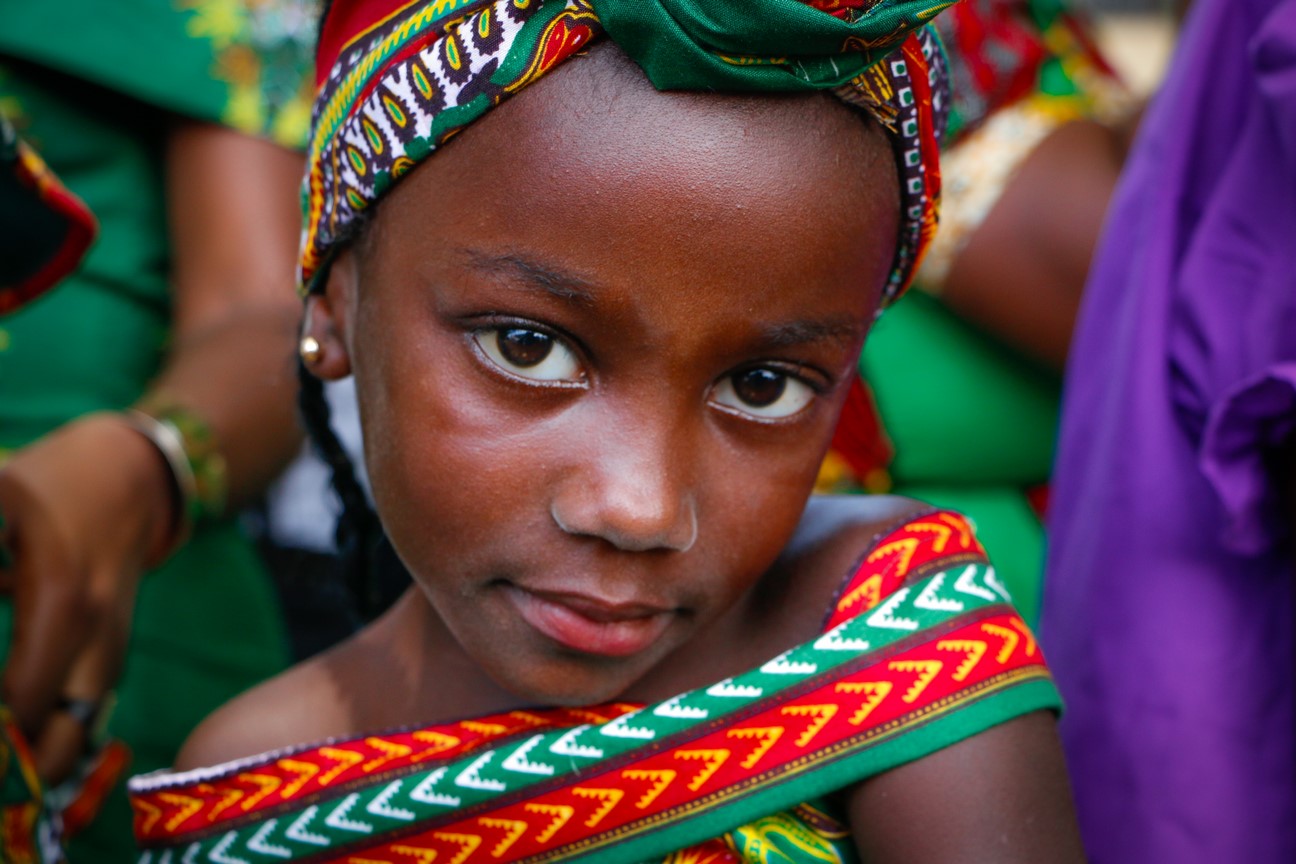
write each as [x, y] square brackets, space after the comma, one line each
[565, 687]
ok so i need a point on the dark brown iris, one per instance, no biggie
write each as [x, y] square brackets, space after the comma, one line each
[759, 387]
[524, 347]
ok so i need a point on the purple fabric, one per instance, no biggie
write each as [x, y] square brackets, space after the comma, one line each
[1168, 614]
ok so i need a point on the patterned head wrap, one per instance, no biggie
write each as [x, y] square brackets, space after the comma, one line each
[395, 79]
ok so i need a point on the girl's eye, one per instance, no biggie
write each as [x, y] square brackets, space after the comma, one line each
[529, 354]
[764, 393]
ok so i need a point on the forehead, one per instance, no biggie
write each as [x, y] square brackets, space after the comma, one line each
[592, 165]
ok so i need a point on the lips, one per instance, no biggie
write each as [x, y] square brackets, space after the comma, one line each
[591, 625]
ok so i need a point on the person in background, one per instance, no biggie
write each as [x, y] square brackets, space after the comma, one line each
[151, 395]
[45, 230]
[1168, 609]
[962, 379]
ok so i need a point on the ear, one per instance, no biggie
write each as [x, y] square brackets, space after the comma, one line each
[328, 318]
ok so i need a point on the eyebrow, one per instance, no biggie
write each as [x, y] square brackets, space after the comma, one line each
[564, 285]
[841, 329]
[551, 280]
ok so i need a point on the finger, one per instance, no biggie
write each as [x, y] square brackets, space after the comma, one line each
[51, 618]
[59, 746]
[68, 730]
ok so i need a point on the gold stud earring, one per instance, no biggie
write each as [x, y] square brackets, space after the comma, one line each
[311, 350]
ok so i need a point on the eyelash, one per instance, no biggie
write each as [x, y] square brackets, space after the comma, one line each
[493, 354]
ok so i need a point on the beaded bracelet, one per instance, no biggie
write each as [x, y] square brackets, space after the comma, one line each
[197, 467]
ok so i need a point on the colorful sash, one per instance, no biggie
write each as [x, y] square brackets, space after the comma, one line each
[920, 651]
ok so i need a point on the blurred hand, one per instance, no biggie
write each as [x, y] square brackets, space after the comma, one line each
[86, 509]
[89, 506]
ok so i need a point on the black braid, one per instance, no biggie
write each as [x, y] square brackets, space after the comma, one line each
[358, 531]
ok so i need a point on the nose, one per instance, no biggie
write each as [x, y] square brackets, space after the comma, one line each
[631, 488]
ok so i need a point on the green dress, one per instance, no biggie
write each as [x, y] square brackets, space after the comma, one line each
[96, 100]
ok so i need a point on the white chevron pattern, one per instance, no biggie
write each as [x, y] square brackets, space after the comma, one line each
[297, 830]
[518, 762]
[259, 843]
[884, 617]
[566, 744]
[424, 794]
[379, 806]
[928, 599]
[337, 817]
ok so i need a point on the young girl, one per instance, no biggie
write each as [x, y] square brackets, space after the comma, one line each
[600, 341]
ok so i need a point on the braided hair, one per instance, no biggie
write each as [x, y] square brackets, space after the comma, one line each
[358, 532]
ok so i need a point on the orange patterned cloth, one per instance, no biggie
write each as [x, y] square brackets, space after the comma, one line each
[921, 649]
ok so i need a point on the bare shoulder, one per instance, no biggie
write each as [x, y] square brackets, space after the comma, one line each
[837, 530]
[318, 699]
[332, 695]
[834, 534]
[304, 703]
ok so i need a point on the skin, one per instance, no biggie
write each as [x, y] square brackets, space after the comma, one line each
[89, 506]
[638, 488]
[1021, 275]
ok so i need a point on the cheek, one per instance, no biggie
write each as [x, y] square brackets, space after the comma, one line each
[755, 497]
[446, 472]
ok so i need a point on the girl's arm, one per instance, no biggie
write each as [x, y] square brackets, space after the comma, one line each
[998, 797]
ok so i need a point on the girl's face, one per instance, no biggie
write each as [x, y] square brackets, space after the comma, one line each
[600, 344]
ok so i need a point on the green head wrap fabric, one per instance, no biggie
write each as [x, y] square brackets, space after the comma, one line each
[763, 45]
[396, 79]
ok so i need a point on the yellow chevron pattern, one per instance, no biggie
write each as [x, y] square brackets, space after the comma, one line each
[438, 743]
[609, 797]
[418, 853]
[345, 759]
[561, 814]
[188, 807]
[390, 751]
[304, 771]
[1010, 638]
[768, 735]
[874, 693]
[927, 671]
[513, 828]
[869, 592]
[714, 759]
[973, 649]
[266, 785]
[903, 549]
[821, 714]
[231, 798]
[468, 844]
[660, 780]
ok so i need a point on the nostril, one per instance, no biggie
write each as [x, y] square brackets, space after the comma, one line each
[691, 535]
[631, 525]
